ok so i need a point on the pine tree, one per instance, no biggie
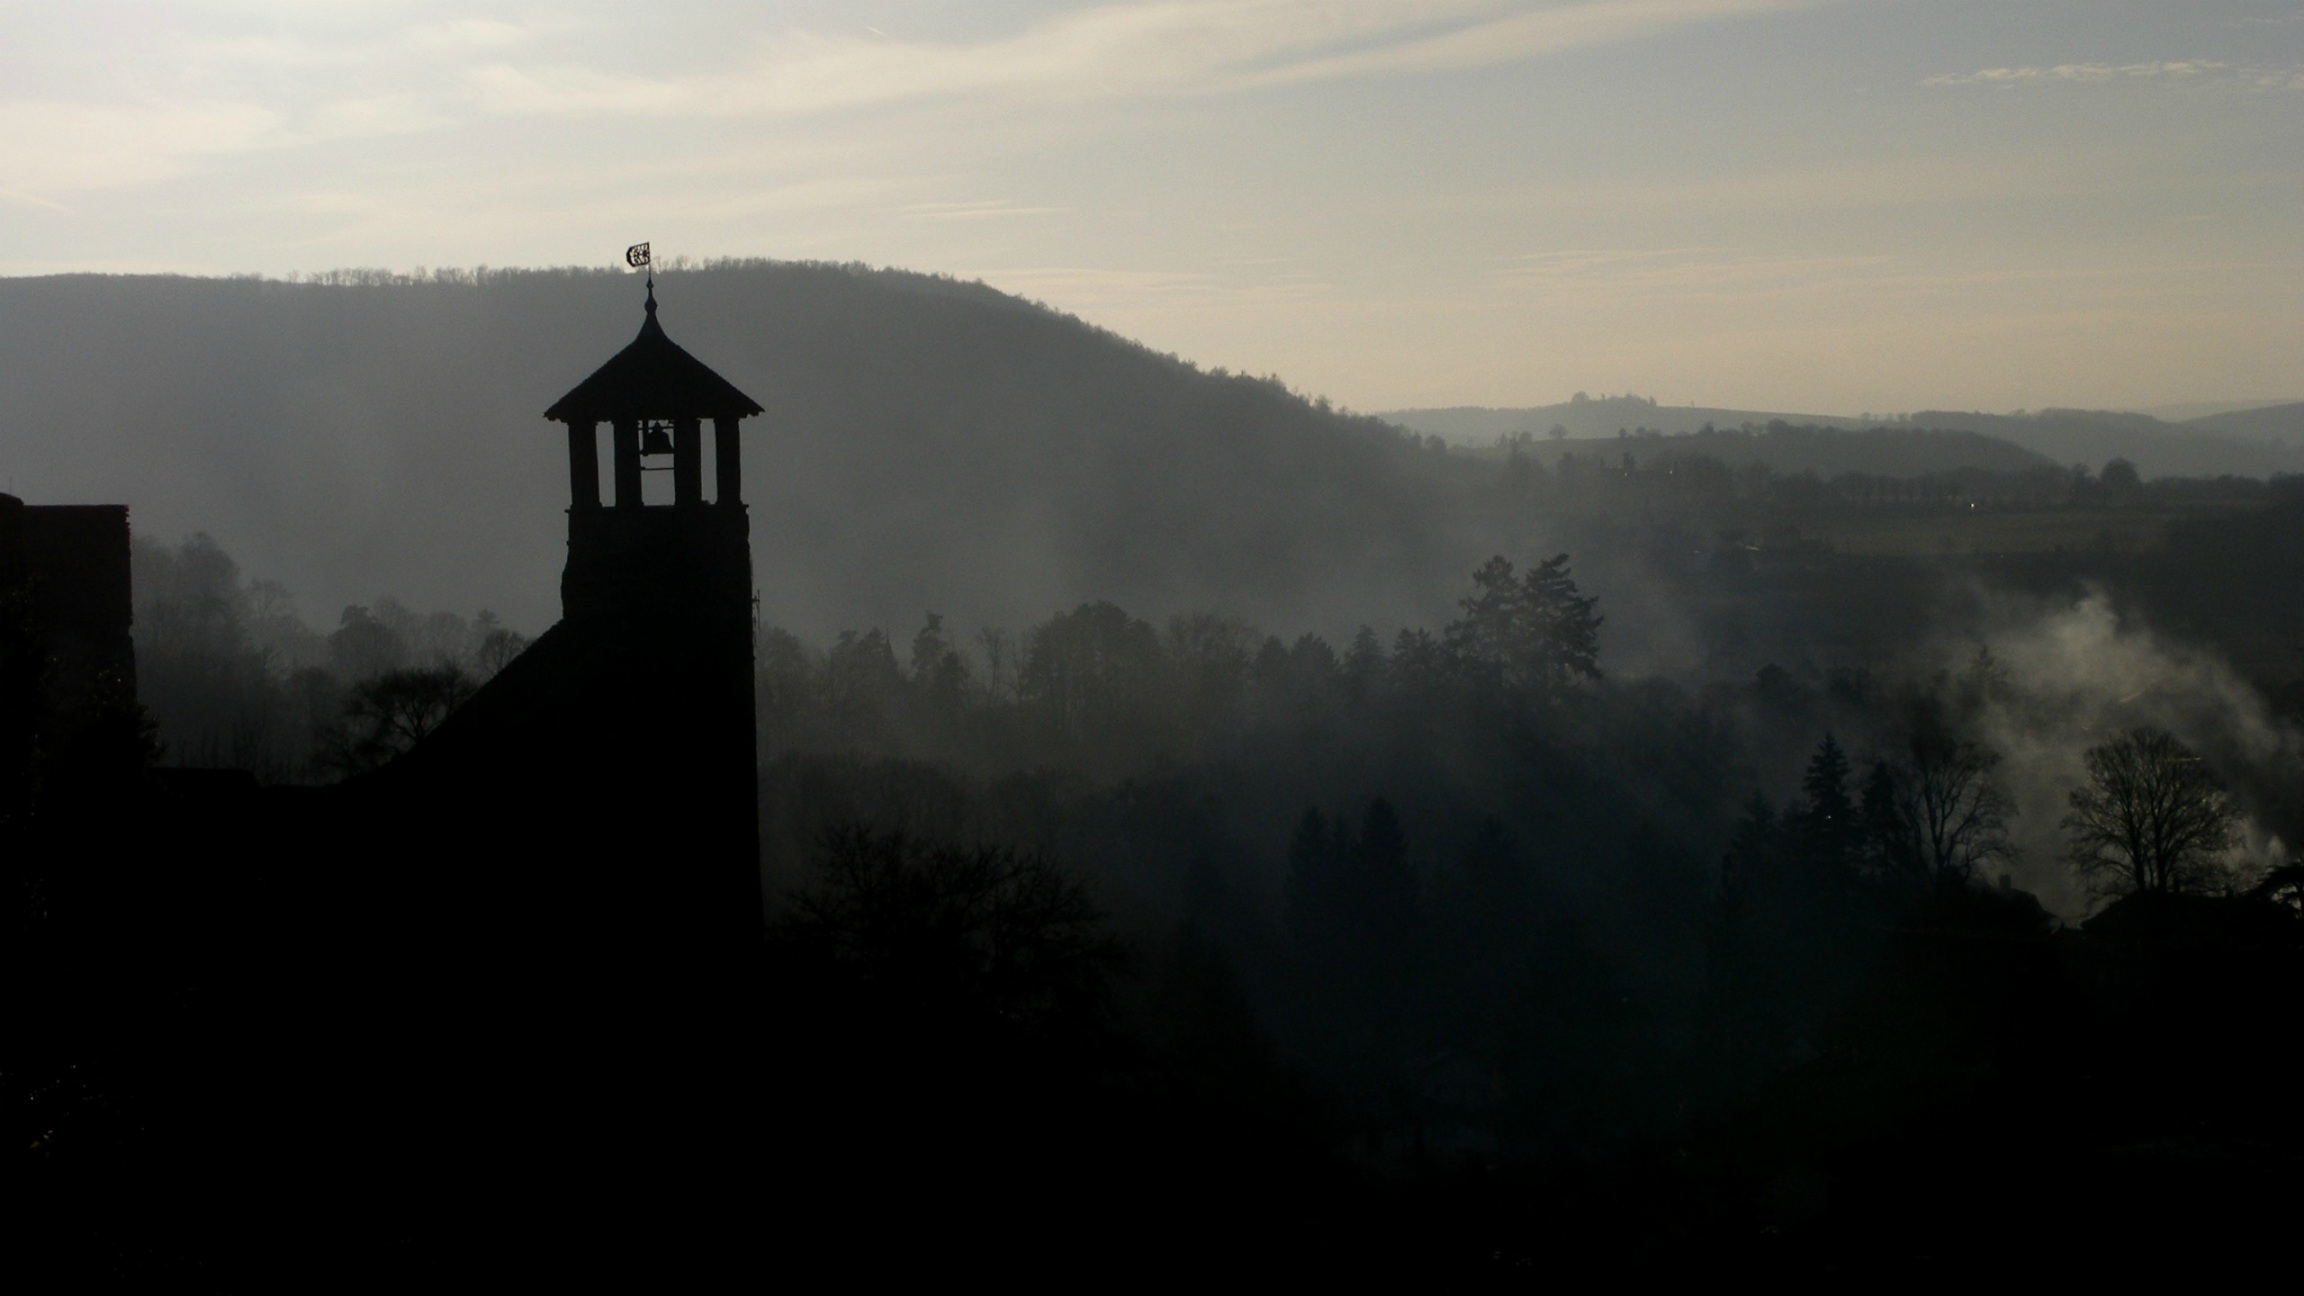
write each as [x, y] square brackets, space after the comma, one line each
[1753, 847]
[1384, 888]
[1565, 638]
[1891, 846]
[1830, 831]
[1533, 631]
[1316, 884]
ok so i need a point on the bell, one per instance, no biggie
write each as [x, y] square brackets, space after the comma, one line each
[655, 441]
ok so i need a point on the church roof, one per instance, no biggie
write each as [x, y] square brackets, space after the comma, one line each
[652, 378]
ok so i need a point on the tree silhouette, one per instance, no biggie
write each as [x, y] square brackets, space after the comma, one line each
[1087, 667]
[1352, 896]
[984, 933]
[497, 647]
[939, 672]
[388, 714]
[1534, 631]
[1942, 811]
[1892, 848]
[1829, 828]
[1386, 899]
[364, 646]
[1318, 881]
[2152, 820]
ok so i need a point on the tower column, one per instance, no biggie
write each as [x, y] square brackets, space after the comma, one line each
[627, 463]
[583, 465]
[727, 463]
[687, 461]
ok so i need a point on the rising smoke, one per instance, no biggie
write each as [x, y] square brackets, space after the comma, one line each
[2057, 679]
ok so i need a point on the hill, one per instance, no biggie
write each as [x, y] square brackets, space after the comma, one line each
[2280, 423]
[1825, 451]
[2189, 411]
[928, 444]
[2255, 442]
[1585, 418]
[2197, 449]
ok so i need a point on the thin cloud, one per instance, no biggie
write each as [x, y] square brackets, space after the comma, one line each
[2082, 73]
[1528, 35]
[984, 210]
[208, 97]
[470, 34]
[1122, 51]
[1692, 273]
[2180, 72]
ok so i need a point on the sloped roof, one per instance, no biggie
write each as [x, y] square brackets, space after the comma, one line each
[652, 378]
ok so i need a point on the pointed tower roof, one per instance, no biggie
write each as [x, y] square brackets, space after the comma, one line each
[652, 378]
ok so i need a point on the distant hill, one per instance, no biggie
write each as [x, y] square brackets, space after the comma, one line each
[1588, 417]
[2201, 448]
[928, 445]
[1824, 451]
[2255, 442]
[2202, 409]
[2281, 423]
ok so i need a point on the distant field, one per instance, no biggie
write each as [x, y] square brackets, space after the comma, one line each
[1986, 532]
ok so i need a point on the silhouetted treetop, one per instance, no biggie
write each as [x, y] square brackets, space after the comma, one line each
[2152, 819]
[1534, 630]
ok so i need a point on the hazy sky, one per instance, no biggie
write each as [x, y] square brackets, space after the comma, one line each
[1794, 204]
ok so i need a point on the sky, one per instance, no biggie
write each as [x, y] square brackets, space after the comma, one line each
[1830, 206]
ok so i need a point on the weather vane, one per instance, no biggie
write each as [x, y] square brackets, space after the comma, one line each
[636, 256]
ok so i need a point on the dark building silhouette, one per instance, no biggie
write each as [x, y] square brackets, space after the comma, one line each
[608, 775]
[67, 664]
[498, 997]
[65, 569]
[550, 906]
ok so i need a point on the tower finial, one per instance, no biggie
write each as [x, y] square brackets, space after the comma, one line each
[637, 256]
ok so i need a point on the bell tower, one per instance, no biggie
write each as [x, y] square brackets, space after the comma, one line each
[608, 776]
[563, 879]
[651, 725]
[684, 556]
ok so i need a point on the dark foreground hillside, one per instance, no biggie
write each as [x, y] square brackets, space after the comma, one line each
[927, 444]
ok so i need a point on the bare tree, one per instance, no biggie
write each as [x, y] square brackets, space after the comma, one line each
[2154, 819]
[497, 647]
[1940, 813]
[999, 665]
